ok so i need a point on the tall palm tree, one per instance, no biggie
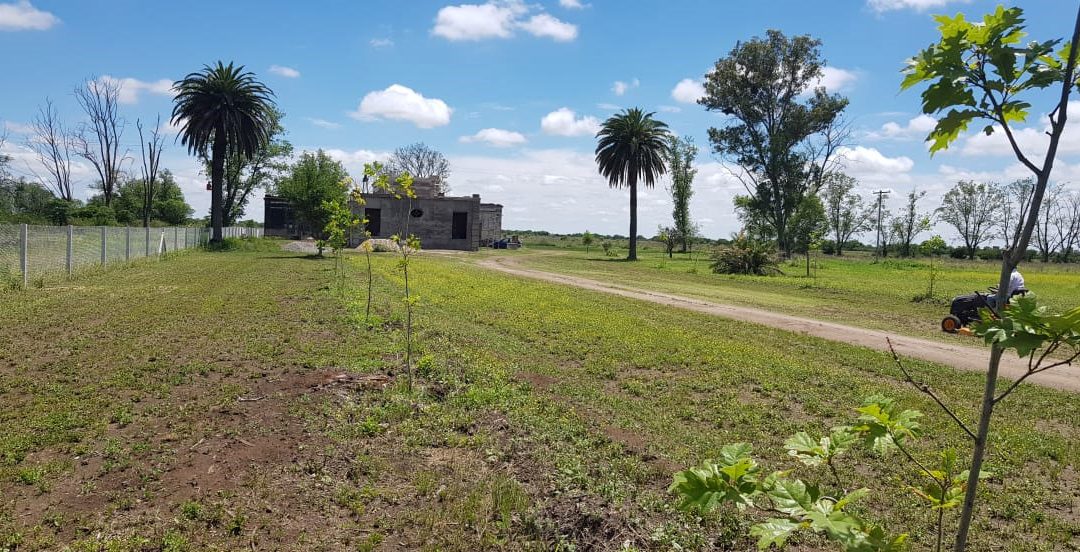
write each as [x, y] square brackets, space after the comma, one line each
[630, 145]
[228, 109]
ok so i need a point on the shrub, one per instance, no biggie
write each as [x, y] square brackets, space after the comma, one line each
[745, 256]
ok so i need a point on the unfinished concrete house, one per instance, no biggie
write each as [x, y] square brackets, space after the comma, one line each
[440, 221]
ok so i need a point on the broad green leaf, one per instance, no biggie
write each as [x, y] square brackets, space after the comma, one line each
[793, 497]
[773, 531]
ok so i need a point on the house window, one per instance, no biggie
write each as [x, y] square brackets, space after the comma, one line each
[460, 228]
[374, 220]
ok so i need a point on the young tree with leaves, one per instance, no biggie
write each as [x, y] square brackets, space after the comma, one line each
[972, 209]
[679, 156]
[782, 132]
[587, 240]
[845, 213]
[808, 225]
[911, 222]
[314, 182]
[980, 71]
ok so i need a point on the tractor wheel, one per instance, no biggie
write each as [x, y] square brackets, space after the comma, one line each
[951, 324]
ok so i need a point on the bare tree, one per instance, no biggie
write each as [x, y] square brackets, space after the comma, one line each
[844, 209]
[1045, 236]
[98, 141]
[1016, 198]
[1067, 224]
[420, 161]
[151, 159]
[910, 223]
[972, 209]
[51, 142]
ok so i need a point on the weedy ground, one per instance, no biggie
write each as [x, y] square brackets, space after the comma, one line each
[239, 400]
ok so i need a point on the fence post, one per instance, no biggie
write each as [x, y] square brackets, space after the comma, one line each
[127, 243]
[147, 242]
[176, 238]
[104, 245]
[70, 238]
[24, 265]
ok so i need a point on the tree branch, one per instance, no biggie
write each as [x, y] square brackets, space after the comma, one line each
[926, 389]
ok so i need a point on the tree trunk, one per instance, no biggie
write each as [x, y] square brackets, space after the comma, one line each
[1011, 260]
[217, 177]
[632, 255]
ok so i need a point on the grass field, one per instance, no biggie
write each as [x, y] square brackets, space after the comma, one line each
[244, 405]
[853, 290]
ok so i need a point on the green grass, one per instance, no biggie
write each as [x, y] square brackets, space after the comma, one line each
[544, 417]
[855, 290]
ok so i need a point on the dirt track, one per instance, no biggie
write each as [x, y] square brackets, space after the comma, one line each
[958, 356]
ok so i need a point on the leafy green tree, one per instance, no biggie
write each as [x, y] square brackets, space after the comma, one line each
[340, 223]
[972, 209]
[222, 109]
[587, 240]
[783, 138]
[808, 226]
[632, 145]
[933, 248]
[911, 222]
[170, 206]
[679, 156]
[844, 209]
[315, 181]
[980, 71]
[670, 237]
[244, 175]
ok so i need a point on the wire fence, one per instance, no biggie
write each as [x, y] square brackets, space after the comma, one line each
[31, 253]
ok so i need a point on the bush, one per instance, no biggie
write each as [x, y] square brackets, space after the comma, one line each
[958, 253]
[244, 244]
[745, 256]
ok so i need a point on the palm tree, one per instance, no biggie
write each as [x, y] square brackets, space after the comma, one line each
[228, 109]
[631, 145]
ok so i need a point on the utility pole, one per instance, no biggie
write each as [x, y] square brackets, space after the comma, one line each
[880, 201]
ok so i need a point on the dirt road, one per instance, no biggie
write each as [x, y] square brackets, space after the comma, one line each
[958, 356]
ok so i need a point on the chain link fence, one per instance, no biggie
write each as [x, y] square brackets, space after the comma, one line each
[31, 253]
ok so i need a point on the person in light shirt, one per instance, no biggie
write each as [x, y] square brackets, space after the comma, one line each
[1016, 282]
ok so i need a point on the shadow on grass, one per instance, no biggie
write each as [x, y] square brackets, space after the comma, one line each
[308, 257]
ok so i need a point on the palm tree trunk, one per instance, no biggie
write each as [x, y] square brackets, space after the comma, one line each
[217, 177]
[632, 256]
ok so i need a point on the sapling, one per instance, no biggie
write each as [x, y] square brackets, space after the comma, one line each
[978, 71]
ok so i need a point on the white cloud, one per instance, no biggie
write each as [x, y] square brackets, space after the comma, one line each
[477, 21]
[917, 5]
[354, 160]
[401, 103]
[608, 106]
[688, 91]
[564, 122]
[544, 25]
[498, 19]
[283, 71]
[870, 165]
[496, 137]
[917, 127]
[130, 88]
[17, 128]
[381, 43]
[669, 109]
[620, 87]
[835, 79]
[23, 16]
[572, 4]
[323, 123]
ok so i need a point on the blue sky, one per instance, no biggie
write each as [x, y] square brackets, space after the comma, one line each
[510, 91]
